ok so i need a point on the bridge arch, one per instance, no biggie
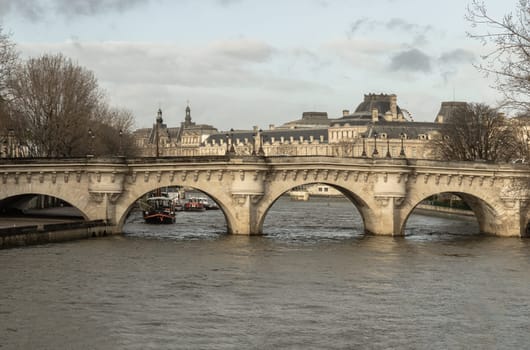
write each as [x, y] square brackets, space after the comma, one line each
[16, 204]
[485, 213]
[129, 198]
[355, 196]
[74, 197]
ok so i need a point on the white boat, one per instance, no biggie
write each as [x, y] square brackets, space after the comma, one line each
[300, 195]
[204, 202]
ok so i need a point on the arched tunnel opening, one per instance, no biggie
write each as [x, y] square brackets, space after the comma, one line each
[314, 212]
[196, 215]
[445, 215]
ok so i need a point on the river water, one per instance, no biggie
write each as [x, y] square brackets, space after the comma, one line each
[313, 281]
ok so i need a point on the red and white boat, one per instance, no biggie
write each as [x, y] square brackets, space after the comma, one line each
[194, 204]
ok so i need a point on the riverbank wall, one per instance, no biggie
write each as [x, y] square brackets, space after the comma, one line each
[18, 236]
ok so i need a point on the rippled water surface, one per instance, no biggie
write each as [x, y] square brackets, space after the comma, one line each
[314, 280]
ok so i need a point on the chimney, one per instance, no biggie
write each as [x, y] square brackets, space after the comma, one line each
[345, 112]
[439, 119]
[271, 127]
[393, 106]
[375, 115]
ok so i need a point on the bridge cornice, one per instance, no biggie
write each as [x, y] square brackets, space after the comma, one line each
[317, 167]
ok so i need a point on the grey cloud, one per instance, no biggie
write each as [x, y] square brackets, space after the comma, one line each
[355, 26]
[392, 24]
[304, 57]
[360, 24]
[398, 23]
[31, 9]
[401, 24]
[449, 61]
[448, 75]
[420, 40]
[93, 7]
[200, 71]
[412, 60]
[457, 56]
[418, 31]
[243, 50]
[322, 3]
[38, 9]
[228, 64]
[228, 2]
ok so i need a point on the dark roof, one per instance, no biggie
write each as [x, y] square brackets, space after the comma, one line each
[268, 134]
[311, 118]
[394, 130]
[351, 121]
[381, 102]
[449, 108]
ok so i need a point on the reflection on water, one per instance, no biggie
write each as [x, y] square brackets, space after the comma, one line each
[312, 281]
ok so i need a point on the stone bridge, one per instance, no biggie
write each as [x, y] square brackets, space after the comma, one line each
[385, 191]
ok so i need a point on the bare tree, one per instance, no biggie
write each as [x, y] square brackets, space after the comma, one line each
[54, 100]
[112, 127]
[8, 60]
[478, 132]
[521, 127]
[509, 60]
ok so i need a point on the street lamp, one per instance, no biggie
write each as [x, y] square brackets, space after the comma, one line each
[375, 153]
[227, 145]
[90, 143]
[402, 152]
[120, 149]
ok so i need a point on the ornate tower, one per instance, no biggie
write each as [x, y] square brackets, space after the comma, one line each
[187, 119]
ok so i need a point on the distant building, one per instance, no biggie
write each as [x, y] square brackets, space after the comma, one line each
[379, 122]
[11, 147]
[309, 120]
[161, 140]
[378, 127]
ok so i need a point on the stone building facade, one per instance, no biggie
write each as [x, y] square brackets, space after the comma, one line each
[378, 123]
[378, 127]
[11, 147]
[162, 140]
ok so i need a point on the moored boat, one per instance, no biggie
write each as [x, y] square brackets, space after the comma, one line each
[159, 210]
[193, 204]
[299, 195]
[207, 204]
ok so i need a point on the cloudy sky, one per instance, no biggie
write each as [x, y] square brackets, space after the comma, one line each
[241, 63]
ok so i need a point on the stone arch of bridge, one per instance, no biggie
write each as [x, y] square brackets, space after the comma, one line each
[128, 199]
[275, 192]
[482, 206]
[73, 197]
